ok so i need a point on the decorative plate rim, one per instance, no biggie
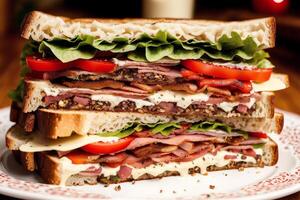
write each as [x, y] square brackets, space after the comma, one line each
[275, 186]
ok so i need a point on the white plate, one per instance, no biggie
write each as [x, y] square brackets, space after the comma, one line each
[255, 183]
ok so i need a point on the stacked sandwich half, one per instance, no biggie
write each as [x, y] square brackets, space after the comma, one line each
[120, 100]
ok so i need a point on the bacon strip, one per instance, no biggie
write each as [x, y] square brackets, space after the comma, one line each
[94, 84]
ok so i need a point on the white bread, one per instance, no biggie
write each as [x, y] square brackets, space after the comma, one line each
[50, 167]
[63, 123]
[35, 91]
[40, 26]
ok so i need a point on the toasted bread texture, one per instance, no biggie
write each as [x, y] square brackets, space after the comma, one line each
[36, 90]
[52, 123]
[40, 26]
[49, 167]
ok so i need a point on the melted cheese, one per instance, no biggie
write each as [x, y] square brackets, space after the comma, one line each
[68, 169]
[273, 84]
[115, 100]
[182, 100]
[228, 106]
[156, 169]
[38, 143]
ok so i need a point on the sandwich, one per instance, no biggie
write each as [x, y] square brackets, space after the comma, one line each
[115, 100]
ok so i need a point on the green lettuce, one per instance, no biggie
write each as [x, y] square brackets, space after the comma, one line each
[166, 129]
[152, 48]
[208, 126]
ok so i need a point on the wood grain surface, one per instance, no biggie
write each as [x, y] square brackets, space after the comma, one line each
[285, 61]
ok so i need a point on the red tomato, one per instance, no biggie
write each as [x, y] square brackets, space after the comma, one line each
[45, 65]
[79, 157]
[49, 65]
[107, 147]
[258, 134]
[187, 74]
[95, 65]
[243, 86]
[208, 69]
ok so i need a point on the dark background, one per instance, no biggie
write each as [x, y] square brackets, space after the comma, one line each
[286, 54]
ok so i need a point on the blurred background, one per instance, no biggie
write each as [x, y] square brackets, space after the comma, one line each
[286, 55]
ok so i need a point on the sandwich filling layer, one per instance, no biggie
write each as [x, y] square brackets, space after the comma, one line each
[220, 159]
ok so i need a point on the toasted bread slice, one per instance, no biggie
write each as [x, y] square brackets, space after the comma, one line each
[50, 168]
[36, 90]
[56, 170]
[40, 26]
[63, 123]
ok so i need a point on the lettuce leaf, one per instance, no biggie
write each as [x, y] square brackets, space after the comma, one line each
[163, 129]
[207, 126]
[162, 44]
[166, 129]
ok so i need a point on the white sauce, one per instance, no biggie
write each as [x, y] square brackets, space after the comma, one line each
[115, 100]
[182, 100]
[68, 169]
[156, 169]
[228, 106]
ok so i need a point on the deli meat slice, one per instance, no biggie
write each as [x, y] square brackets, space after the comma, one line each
[253, 141]
[176, 140]
[159, 63]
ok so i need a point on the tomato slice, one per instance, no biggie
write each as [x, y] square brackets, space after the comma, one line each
[95, 65]
[79, 157]
[50, 65]
[258, 134]
[45, 65]
[189, 75]
[209, 69]
[107, 147]
[243, 86]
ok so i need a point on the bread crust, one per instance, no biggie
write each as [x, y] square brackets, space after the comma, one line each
[32, 17]
[48, 167]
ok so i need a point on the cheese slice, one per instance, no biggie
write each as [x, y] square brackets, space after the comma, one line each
[273, 84]
[36, 142]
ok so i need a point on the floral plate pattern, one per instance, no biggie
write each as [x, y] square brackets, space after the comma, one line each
[254, 183]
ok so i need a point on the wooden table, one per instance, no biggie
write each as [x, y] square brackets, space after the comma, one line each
[286, 62]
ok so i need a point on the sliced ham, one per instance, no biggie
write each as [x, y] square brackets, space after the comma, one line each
[168, 107]
[166, 158]
[176, 140]
[230, 157]
[124, 172]
[117, 158]
[242, 108]
[253, 141]
[231, 147]
[52, 99]
[194, 156]
[187, 146]
[91, 171]
[180, 153]
[79, 91]
[81, 100]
